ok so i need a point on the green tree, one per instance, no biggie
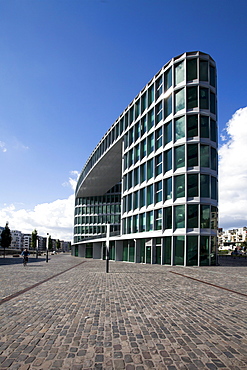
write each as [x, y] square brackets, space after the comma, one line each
[49, 243]
[6, 237]
[58, 244]
[34, 239]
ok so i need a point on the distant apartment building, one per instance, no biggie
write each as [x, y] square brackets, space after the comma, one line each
[153, 177]
[229, 239]
[16, 239]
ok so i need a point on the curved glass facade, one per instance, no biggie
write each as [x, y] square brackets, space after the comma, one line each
[169, 171]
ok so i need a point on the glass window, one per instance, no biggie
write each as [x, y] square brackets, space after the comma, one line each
[131, 157]
[203, 72]
[213, 159]
[150, 119]
[137, 130]
[143, 172]
[136, 176]
[214, 218]
[150, 169]
[129, 198]
[143, 102]
[179, 216]
[142, 222]
[191, 69]
[158, 138]
[150, 144]
[131, 136]
[192, 155]
[204, 185]
[159, 86]
[150, 194]
[150, 221]
[205, 216]
[204, 126]
[159, 112]
[204, 251]
[179, 73]
[168, 106]
[192, 98]
[137, 153]
[135, 199]
[168, 188]
[168, 217]
[143, 125]
[192, 215]
[131, 115]
[150, 95]
[213, 130]
[158, 164]
[212, 76]
[204, 156]
[204, 102]
[192, 125]
[179, 100]
[142, 197]
[192, 251]
[213, 188]
[178, 250]
[179, 153]
[168, 79]
[158, 192]
[179, 128]
[135, 224]
[137, 108]
[212, 103]
[143, 148]
[168, 132]
[192, 186]
[167, 250]
[158, 219]
[179, 186]
[130, 177]
[168, 160]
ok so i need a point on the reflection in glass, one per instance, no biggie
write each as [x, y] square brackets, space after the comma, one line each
[205, 216]
[168, 79]
[178, 250]
[179, 216]
[179, 186]
[179, 153]
[192, 185]
[192, 125]
[191, 69]
[204, 126]
[168, 188]
[204, 100]
[192, 251]
[179, 128]
[192, 99]
[204, 251]
[192, 155]
[179, 73]
[204, 156]
[179, 100]
[204, 186]
[192, 215]
[168, 132]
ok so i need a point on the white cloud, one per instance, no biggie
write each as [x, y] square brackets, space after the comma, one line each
[55, 218]
[233, 173]
[3, 147]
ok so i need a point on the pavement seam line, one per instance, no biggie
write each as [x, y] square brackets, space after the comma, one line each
[14, 295]
[211, 284]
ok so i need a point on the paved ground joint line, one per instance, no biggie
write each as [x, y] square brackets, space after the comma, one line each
[14, 295]
[211, 284]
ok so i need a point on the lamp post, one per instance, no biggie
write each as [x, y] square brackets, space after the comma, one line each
[37, 247]
[107, 246]
[47, 244]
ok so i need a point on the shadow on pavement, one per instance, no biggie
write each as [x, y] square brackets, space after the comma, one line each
[18, 260]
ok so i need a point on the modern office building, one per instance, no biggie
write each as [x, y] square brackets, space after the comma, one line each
[153, 175]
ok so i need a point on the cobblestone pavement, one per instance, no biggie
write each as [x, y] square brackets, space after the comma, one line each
[136, 317]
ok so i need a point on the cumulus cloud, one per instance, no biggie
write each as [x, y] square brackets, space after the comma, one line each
[55, 218]
[3, 147]
[233, 173]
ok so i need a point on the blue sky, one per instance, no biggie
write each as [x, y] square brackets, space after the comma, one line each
[68, 68]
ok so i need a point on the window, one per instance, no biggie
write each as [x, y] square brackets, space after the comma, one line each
[129, 199]
[179, 73]
[214, 218]
[135, 224]
[130, 177]
[179, 153]
[168, 79]
[143, 172]
[191, 69]
[159, 86]
[158, 192]
[168, 218]
[213, 130]
[192, 215]
[150, 194]
[205, 217]
[179, 216]
[158, 219]
[168, 106]
[136, 176]
[204, 185]
[204, 156]
[131, 136]
[143, 125]
[150, 221]
[179, 186]
[168, 132]
[143, 148]
[212, 103]
[192, 186]
[158, 165]
[142, 197]
[150, 119]
[179, 128]
[159, 112]
[204, 102]
[179, 100]
[137, 108]
[150, 95]
[204, 251]
[178, 250]
[150, 169]
[213, 159]
[204, 126]
[213, 188]
[142, 222]
[136, 153]
[203, 70]
[150, 144]
[192, 155]
[158, 138]
[168, 160]
[192, 125]
[192, 251]
[167, 250]
[137, 130]
[212, 76]
[192, 98]
[143, 102]
[168, 188]
[131, 115]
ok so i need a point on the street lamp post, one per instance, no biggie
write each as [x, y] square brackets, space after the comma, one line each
[37, 247]
[47, 244]
[107, 246]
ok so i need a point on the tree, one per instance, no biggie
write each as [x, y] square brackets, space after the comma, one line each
[49, 243]
[58, 244]
[6, 237]
[34, 239]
